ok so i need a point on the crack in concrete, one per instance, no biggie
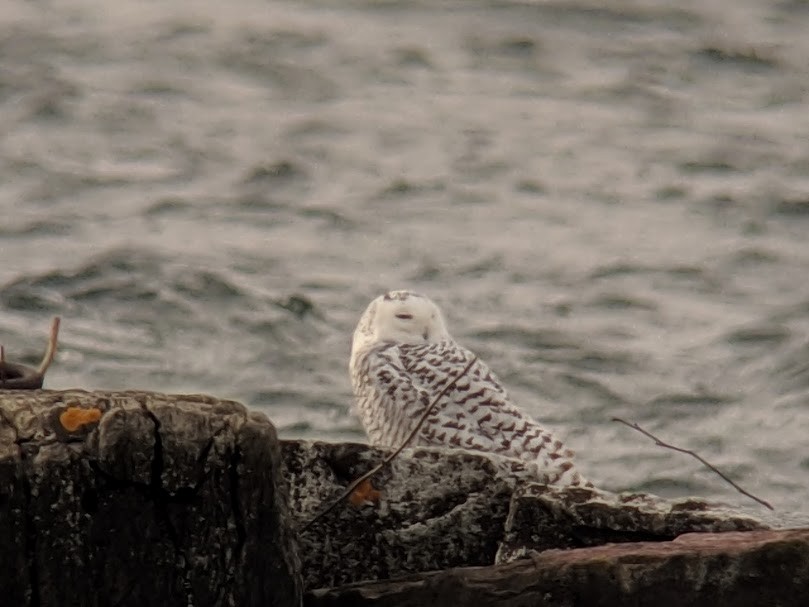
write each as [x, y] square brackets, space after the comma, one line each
[238, 520]
[162, 498]
[235, 500]
[30, 533]
[201, 459]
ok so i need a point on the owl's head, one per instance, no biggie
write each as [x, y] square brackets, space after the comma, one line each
[401, 317]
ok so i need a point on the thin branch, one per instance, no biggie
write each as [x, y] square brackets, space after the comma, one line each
[660, 443]
[2, 366]
[358, 481]
[51, 351]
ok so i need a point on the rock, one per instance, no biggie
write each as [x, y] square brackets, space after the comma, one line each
[443, 508]
[438, 509]
[733, 569]
[132, 498]
[543, 517]
[137, 498]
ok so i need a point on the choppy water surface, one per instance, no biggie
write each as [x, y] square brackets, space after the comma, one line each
[610, 200]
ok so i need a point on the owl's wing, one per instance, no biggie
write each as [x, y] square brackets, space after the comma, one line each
[476, 412]
[396, 383]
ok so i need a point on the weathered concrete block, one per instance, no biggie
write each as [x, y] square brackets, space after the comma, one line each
[444, 508]
[542, 517]
[438, 508]
[137, 498]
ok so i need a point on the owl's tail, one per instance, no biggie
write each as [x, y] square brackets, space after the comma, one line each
[559, 472]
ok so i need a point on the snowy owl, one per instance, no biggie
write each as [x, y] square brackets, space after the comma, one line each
[402, 356]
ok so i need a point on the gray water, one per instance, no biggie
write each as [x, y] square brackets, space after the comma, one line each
[610, 200]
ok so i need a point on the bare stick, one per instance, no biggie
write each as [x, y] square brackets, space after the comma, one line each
[2, 366]
[358, 481]
[51, 351]
[660, 443]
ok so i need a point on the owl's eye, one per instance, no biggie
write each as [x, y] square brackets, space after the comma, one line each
[404, 316]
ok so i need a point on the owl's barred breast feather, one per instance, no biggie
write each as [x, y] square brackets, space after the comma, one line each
[395, 380]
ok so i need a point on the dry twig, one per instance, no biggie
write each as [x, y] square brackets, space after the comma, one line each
[358, 481]
[51, 351]
[660, 443]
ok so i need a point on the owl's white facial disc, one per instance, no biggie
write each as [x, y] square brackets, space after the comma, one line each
[401, 317]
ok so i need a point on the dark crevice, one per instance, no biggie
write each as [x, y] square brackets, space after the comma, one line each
[159, 494]
[156, 489]
[236, 502]
[586, 536]
[238, 520]
[203, 457]
[201, 460]
[162, 499]
[30, 535]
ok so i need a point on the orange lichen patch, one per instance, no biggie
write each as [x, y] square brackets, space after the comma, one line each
[74, 418]
[364, 494]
